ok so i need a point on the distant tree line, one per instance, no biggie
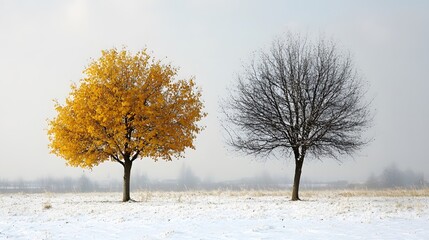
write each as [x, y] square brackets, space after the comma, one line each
[392, 177]
[67, 184]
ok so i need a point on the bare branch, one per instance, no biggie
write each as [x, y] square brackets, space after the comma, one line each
[116, 158]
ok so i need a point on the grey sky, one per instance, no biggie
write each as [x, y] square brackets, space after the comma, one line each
[45, 45]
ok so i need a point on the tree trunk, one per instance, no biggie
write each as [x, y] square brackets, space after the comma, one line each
[296, 179]
[127, 173]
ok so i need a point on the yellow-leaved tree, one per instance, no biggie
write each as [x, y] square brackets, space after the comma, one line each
[128, 107]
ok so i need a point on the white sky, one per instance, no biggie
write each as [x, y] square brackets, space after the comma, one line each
[45, 45]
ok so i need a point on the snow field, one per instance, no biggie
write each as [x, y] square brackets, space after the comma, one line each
[216, 215]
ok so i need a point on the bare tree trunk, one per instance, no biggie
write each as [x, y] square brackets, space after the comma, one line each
[127, 174]
[296, 179]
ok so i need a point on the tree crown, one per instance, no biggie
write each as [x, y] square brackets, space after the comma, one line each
[127, 107]
[299, 97]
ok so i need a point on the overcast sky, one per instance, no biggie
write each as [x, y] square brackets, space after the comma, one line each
[45, 45]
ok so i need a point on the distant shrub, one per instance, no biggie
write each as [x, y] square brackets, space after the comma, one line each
[47, 205]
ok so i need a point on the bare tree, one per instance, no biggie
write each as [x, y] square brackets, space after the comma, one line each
[301, 98]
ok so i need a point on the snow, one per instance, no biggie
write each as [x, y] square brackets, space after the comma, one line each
[212, 215]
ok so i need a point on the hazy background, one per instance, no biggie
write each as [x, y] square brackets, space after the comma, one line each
[45, 45]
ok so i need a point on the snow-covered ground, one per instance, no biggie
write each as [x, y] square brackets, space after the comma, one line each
[214, 215]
